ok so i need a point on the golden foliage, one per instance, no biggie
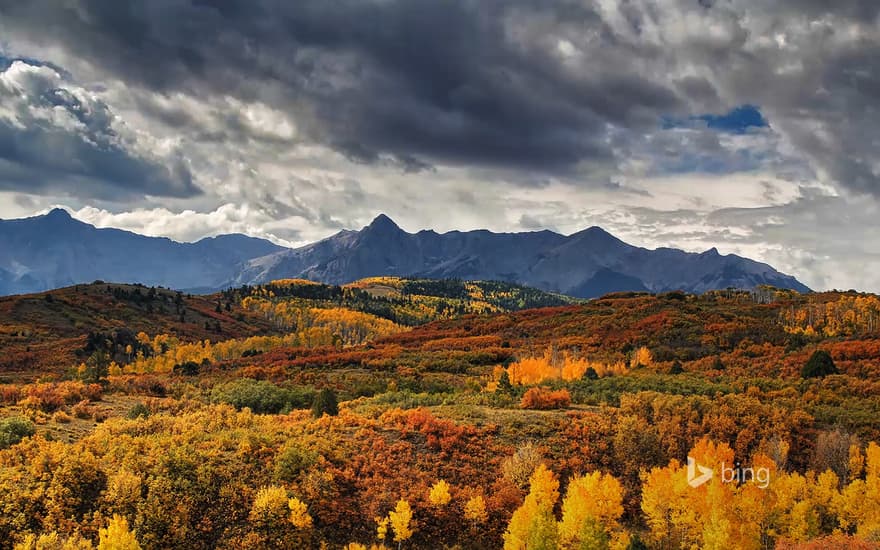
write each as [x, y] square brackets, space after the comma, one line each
[642, 357]
[722, 514]
[597, 497]
[552, 365]
[439, 494]
[845, 316]
[311, 327]
[299, 514]
[272, 509]
[270, 506]
[401, 521]
[382, 527]
[475, 510]
[117, 536]
[533, 526]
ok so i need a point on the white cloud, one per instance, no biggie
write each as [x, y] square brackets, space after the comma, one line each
[56, 136]
[184, 226]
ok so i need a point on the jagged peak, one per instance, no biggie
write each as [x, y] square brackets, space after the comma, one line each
[596, 234]
[594, 230]
[59, 214]
[383, 222]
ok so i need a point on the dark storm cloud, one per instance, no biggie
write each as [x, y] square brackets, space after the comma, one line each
[54, 137]
[419, 81]
[80, 165]
[565, 87]
[812, 67]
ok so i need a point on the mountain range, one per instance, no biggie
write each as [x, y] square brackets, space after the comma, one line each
[55, 250]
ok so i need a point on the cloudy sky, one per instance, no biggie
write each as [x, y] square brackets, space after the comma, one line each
[748, 125]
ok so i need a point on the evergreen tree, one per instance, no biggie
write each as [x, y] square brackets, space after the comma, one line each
[504, 384]
[325, 403]
[676, 368]
[818, 365]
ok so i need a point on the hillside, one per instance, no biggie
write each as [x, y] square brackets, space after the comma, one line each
[48, 332]
[406, 301]
[716, 341]
[52, 331]
[762, 333]
[450, 417]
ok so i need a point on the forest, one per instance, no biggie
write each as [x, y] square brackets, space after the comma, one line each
[409, 413]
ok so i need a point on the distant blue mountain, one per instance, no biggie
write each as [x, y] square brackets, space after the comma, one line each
[56, 250]
[586, 264]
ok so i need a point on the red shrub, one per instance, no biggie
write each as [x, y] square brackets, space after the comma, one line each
[10, 394]
[142, 384]
[543, 399]
[51, 396]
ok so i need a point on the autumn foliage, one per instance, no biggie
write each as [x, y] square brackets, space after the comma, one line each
[454, 419]
[544, 399]
[553, 365]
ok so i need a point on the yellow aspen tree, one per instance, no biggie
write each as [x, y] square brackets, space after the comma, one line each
[591, 508]
[755, 505]
[680, 515]
[713, 523]
[31, 542]
[123, 491]
[824, 495]
[401, 521]
[114, 369]
[802, 521]
[869, 526]
[856, 462]
[573, 369]
[270, 507]
[382, 528]
[533, 525]
[439, 494]
[663, 494]
[117, 536]
[642, 357]
[793, 508]
[475, 510]
[859, 503]
[718, 530]
[279, 520]
[299, 514]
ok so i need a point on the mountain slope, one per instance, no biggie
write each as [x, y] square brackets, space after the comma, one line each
[55, 250]
[586, 264]
[47, 332]
[406, 302]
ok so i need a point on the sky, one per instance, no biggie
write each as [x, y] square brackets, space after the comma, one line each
[749, 126]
